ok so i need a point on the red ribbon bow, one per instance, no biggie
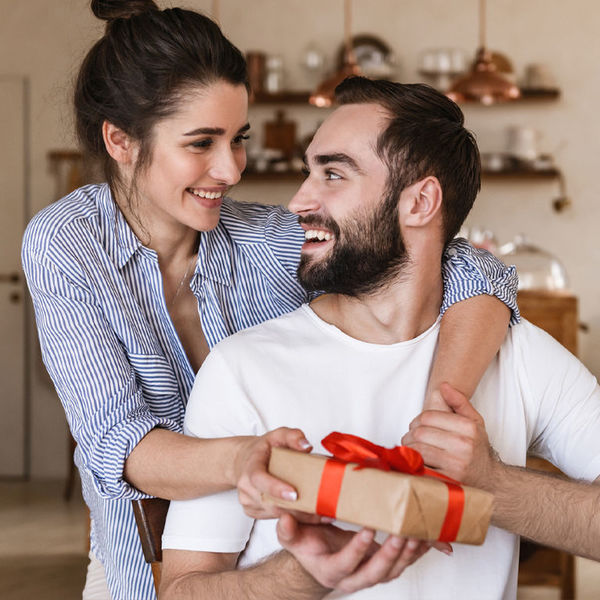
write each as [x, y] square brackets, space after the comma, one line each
[347, 448]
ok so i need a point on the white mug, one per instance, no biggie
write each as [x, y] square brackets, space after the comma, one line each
[523, 142]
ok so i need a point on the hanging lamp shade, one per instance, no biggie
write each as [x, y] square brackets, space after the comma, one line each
[324, 95]
[484, 83]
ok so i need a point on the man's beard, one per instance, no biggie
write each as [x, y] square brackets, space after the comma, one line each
[368, 252]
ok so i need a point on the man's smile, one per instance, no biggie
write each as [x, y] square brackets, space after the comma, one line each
[317, 235]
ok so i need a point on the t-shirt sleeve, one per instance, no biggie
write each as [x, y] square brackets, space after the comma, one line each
[217, 407]
[469, 272]
[566, 405]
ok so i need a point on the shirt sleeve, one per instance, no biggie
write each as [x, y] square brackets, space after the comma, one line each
[217, 407]
[284, 237]
[564, 404]
[469, 272]
[94, 380]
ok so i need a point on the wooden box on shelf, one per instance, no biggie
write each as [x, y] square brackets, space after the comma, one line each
[555, 312]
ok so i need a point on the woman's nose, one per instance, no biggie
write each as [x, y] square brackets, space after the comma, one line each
[228, 165]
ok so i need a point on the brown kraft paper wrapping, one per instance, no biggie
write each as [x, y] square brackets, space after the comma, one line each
[404, 505]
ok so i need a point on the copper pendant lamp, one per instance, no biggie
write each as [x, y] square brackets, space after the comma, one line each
[323, 96]
[483, 83]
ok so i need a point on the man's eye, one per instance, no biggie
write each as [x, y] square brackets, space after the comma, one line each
[331, 176]
[239, 140]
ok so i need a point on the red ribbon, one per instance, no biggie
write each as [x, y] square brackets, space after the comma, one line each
[347, 448]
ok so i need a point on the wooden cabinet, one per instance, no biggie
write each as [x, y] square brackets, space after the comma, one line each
[556, 313]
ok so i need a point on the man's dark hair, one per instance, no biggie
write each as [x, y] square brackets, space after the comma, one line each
[425, 137]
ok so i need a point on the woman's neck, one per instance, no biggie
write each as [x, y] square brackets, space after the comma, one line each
[171, 240]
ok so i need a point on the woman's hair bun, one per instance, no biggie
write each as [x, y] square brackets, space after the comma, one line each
[108, 10]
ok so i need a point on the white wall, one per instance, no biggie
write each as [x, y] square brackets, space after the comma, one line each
[46, 41]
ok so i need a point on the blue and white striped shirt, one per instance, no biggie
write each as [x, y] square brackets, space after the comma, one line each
[112, 351]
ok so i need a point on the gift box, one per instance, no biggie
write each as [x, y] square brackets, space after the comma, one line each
[386, 489]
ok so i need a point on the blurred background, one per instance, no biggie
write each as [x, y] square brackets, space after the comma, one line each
[538, 207]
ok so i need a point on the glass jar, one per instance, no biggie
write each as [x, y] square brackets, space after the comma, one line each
[537, 268]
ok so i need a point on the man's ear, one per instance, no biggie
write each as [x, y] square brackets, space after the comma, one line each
[119, 145]
[421, 202]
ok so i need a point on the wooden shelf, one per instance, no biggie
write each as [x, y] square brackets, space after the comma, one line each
[527, 95]
[533, 174]
[301, 97]
[295, 176]
[539, 94]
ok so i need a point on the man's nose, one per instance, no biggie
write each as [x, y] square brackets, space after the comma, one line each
[305, 199]
[227, 166]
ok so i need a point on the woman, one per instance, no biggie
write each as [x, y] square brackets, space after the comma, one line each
[134, 280]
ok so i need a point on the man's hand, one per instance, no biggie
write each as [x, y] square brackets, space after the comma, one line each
[456, 442]
[253, 480]
[346, 560]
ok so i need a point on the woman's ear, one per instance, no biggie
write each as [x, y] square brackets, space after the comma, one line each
[422, 202]
[119, 145]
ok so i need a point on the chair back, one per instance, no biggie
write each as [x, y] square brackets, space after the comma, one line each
[150, 515]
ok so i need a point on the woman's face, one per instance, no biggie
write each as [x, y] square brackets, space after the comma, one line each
[198, 153]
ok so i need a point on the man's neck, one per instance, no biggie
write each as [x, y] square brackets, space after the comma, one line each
[399, 311]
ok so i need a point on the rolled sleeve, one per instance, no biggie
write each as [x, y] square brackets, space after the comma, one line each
[95, 381]
[469, 272]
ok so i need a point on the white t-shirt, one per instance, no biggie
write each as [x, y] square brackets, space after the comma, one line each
[299, 371]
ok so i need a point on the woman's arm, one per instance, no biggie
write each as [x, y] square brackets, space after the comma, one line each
[471, 332]
[179, 467]
[129, 450]
[479, 302]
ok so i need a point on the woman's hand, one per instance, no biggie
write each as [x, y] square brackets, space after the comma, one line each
[253, 479]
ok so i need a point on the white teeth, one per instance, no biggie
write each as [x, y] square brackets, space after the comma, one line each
[313, 234]
[209, 195]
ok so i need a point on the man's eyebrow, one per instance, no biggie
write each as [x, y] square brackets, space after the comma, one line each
[337, 157]
[215, 130]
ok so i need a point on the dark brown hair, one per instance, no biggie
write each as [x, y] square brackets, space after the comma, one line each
[425, 137]
[140, 70]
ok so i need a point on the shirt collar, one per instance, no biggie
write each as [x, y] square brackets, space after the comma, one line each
[216, 255]
[122, 241]
[215, 250]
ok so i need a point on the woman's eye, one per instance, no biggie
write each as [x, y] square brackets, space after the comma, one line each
[205, 143]
[305, 172]
[240, 139]
[331, 176]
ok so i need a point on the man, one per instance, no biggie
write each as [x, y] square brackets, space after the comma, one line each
[391, 176]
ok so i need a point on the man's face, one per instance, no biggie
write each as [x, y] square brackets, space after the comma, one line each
[353, 240]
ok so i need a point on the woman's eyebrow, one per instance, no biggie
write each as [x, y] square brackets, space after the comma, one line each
[215, 130]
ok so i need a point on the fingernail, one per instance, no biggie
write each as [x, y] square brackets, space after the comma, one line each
[291, 496]
[327, 520]
[412, 544]
[305, 444]
[366, 535]
[447, 552]
[396, 542]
